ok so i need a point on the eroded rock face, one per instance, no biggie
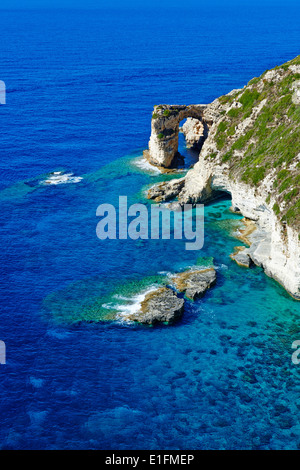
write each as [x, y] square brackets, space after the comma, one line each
[195, 283]
[195, 133]
[159, 306]
[163, 144]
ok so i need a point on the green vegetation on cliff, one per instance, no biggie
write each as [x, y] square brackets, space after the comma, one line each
[259, 136]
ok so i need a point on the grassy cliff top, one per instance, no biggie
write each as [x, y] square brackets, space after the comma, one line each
[258, 137]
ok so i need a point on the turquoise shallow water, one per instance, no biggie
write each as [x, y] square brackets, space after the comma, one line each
[78, 377]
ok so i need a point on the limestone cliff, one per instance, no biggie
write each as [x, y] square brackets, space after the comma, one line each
[252, 151]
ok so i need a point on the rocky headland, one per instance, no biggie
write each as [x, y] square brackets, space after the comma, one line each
[250, 149]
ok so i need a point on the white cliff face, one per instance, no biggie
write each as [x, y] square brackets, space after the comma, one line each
[162, 151]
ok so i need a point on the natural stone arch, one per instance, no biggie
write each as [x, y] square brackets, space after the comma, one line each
[195, 132]
[163, 144]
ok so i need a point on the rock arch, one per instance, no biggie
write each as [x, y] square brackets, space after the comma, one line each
[163, 144]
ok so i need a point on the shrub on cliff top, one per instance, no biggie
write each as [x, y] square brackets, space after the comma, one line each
[276, 208]
[234, 112]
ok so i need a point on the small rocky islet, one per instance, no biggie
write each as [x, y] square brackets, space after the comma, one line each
[249, 143]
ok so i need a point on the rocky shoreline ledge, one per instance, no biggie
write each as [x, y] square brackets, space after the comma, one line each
[250, 149]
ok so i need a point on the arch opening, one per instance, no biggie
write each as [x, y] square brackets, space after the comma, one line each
[192, 134]
[165, 128]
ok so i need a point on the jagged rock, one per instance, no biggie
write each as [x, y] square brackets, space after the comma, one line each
[159, 306]
[195, 283]
[166, 190]
[250, 227]
[195, 133]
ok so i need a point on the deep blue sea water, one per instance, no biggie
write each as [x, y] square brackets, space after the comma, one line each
[81, 86]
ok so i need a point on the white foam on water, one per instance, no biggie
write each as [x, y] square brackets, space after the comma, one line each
[197, 267]
[120, 297]
[58, 177]
[222, 266]
[144, 165]
[109, 306]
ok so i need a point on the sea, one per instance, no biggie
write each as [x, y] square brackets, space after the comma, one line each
[80, 90]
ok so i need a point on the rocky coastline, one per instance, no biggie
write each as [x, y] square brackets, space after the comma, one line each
[250, 150]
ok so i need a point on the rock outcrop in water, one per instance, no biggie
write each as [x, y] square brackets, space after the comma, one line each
[164, 306]
[166, 190]
[196, 282]
[252, 152]
[241, 256]
[159, 306]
